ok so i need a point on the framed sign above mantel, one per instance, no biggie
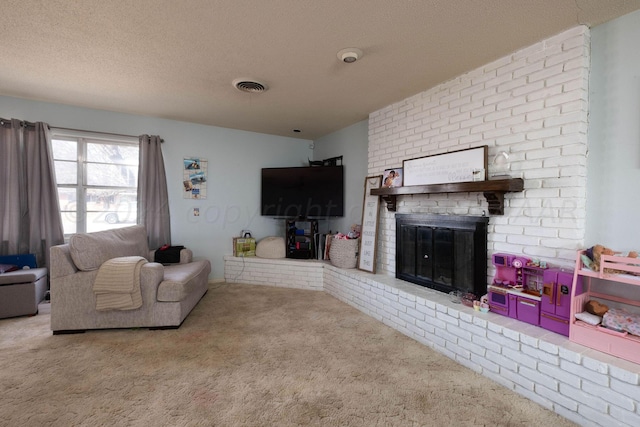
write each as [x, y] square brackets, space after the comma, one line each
[455, 166]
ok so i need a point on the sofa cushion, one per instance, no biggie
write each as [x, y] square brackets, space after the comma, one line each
[178, 280]
[90, 250]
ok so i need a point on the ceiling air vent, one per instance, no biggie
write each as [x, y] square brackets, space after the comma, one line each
[251, 86]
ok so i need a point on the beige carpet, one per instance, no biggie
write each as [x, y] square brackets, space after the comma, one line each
[247, 356]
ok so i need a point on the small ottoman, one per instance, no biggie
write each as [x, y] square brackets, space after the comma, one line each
[21, 291]
[271, 247]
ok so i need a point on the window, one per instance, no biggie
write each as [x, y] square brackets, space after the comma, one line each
[97, 179]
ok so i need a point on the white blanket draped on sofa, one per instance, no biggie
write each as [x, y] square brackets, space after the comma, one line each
[117, 285]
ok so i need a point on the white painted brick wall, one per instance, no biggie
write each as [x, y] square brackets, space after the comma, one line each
[533, 104]
[581, 384]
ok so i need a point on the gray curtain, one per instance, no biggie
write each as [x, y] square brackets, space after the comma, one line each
[153, 199]
[30, 213]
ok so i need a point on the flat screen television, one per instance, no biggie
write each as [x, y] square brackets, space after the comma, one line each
[303, 192]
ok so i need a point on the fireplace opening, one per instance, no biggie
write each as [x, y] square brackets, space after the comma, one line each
[442, 252]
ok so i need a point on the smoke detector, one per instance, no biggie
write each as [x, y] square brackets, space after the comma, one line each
[249, 85]
[349, 55]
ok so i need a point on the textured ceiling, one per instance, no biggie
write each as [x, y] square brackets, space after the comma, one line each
[176, 59]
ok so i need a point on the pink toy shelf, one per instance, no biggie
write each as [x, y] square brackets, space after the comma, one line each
[615, 342]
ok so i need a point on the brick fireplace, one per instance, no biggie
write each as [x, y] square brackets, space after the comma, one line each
[532, 105]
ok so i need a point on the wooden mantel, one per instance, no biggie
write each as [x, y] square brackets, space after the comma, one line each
[493, 191]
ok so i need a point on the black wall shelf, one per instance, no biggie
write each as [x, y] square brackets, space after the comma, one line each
[493, 191]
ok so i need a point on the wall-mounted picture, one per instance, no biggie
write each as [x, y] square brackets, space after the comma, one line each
[191, 164]
[392, 178]
[194, 178]
[197, 178]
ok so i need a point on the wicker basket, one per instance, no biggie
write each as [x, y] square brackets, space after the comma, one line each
[344, 253]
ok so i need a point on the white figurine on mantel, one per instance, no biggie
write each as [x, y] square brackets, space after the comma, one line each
[501, 166]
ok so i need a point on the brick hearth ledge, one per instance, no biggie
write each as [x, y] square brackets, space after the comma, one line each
[581, 384]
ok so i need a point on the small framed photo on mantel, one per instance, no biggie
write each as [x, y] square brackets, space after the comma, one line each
[392, 178]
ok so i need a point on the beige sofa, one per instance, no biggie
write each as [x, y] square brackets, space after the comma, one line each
[169, 292]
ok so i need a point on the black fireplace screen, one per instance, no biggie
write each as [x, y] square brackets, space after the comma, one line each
[442, 252]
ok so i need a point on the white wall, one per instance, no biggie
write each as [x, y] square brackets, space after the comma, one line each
[613, 205]
[351, 143]
[531, 104]
[235, 159]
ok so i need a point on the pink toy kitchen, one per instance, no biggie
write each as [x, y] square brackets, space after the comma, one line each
[531, 291]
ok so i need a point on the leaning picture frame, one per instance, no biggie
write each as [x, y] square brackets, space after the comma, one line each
[369, 232]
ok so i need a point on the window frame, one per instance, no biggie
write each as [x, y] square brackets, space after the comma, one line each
[81, 187]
